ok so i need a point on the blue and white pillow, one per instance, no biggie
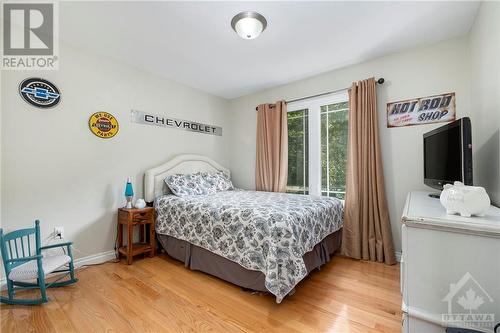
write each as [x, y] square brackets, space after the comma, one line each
[218, 181]
[186, 184]
[199, 183]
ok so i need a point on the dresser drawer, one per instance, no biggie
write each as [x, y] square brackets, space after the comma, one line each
[142, 216]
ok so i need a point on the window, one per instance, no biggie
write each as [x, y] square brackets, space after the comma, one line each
[317, 145]
[298, 155]
[334, 149]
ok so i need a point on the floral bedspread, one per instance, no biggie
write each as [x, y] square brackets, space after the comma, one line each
[263, 231]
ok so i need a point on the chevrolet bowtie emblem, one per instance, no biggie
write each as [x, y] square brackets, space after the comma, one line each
[39, 92]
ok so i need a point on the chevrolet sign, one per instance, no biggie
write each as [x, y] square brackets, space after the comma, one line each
[145, 118]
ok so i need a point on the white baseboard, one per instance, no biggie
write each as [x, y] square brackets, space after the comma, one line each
[398, 256]
[97, 258]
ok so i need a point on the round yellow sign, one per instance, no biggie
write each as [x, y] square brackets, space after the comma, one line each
[103, 124]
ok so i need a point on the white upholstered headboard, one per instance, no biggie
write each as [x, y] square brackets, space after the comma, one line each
[154, 184]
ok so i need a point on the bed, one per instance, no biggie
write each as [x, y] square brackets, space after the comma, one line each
[257, 240]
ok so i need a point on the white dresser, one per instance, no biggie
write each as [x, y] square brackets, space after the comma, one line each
[450, 269]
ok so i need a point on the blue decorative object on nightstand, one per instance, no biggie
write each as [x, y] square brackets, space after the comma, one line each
[129, 193]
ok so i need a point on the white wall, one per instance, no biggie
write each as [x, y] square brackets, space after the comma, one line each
[55, 169]
[485, 83]
[420, 72]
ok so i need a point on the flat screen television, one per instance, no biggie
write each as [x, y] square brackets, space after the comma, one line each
[448, 154]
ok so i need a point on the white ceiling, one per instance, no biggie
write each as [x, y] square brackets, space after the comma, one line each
[193, 43]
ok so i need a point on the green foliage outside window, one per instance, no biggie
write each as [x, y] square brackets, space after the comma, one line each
[298, 170]
[334, 127]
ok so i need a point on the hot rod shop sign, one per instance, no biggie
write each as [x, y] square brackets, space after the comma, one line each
[419, 111]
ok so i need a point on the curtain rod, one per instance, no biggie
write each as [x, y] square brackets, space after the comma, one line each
[379, 81]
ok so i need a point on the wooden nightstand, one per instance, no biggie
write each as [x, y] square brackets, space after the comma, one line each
[136, 217]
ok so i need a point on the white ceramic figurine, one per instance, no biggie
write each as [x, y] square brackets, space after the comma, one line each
[465, 200]
[140, 203]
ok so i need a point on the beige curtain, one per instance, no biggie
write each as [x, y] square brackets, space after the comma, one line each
[367, 228]
[271, 163]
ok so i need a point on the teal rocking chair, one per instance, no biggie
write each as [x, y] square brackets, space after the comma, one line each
[23, 261]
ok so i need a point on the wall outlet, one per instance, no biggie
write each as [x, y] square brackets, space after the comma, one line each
[58, 232]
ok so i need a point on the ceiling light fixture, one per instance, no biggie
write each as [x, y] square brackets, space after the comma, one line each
[249, 25]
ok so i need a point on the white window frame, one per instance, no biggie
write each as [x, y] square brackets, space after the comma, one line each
[313, 106]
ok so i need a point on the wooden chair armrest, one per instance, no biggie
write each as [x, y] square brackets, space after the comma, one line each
[25, 258]
[56, 245]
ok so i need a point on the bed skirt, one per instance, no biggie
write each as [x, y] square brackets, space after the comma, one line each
[199, 259]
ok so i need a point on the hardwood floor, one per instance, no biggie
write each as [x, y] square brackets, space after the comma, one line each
[160, 295]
